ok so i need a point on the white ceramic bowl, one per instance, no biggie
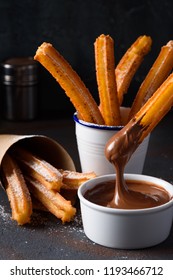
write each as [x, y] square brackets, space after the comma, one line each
[126, 229]
[91, 140]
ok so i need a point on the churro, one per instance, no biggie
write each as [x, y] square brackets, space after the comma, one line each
[129, 64]
[53, 201]
[71, 183]
[155, 108]
[122, 145]
[69, 80]
[17, 191]
[38, 168]
[105, 73]
[74, 179]
[155, 77]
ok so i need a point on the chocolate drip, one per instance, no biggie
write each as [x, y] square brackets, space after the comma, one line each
[118, 151]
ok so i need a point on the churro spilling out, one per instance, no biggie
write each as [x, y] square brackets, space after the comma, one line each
[52, 200]
[26, 176]
[17, 190]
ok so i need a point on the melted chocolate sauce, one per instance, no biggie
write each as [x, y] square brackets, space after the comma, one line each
[122, 194]
[142, 195]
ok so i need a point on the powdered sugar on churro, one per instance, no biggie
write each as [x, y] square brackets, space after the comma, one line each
[39, 168]
[44, 166]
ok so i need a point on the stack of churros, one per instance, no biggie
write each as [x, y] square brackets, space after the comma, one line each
[25, 175]
[113, 80]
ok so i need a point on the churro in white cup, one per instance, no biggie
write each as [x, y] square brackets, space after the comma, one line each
[91, 140]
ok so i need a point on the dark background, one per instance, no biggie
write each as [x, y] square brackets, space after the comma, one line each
[72, 27]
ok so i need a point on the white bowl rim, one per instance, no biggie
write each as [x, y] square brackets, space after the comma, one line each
[133, 177]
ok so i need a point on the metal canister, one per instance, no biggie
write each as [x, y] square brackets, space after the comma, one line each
[19, 84]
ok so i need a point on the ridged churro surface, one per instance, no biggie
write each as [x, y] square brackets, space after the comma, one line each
[130, 63]
[156, 107]
[69, 80]
[17, 191]
[52, 200]
[155, 77]
[105, 73]
[74, 179]
[39, 168]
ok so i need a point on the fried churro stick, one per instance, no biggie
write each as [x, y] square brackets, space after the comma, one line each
[130, 63]
[155, 77]
[17, 191]
[69, 80]
[53, 201]
[71, 183]
[38, 168]
[122, 145]
[156, 107]
[74, 179]
[105, 72]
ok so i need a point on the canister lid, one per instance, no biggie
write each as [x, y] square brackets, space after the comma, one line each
[19, 70]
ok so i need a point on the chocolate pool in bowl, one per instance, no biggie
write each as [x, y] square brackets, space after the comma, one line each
[126, 228]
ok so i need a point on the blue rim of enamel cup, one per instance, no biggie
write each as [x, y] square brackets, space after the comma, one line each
[96, 126]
